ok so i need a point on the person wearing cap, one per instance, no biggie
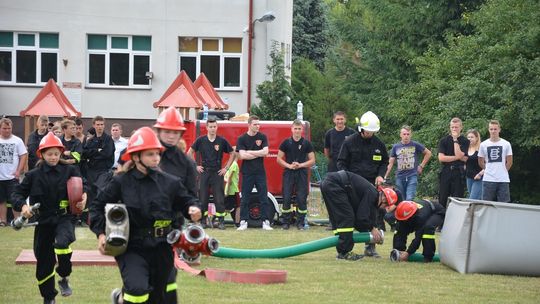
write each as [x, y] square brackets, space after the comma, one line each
[352, 203]
[420, 217]
[47, 184]
[365, 154]
[153, 199]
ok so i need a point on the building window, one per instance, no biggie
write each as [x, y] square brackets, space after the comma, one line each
[220, 59]
[119, 61]
[28, 58]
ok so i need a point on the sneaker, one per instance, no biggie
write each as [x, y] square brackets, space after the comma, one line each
[266, 225]
[221, 226]
[349, 256]
[243, 226]
[51, 301]
[115, 295]
[371, 252]
[285, 226]
[301, 227]
[65, 290]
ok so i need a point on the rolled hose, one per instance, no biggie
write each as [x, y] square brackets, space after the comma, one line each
[289, 251]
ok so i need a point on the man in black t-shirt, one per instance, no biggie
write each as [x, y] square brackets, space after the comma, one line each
[296, 156]
[252, 147]
[334, 138]
[453, 156]
[207, 150]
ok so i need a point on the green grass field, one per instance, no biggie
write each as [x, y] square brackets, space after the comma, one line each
[312, 278]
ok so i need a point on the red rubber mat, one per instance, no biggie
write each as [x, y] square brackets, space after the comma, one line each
[79, 258]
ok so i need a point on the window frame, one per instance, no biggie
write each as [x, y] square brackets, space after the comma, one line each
[110, 50]
[38, 50]
[222, 56]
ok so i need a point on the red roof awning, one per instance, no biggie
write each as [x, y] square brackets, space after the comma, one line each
[51, 101]
[209, 94]
[181, 94]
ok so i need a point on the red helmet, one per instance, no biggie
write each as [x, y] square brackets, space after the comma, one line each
[390, 194]
[143, 139]
[170, 119]
[49, 141]
[405, 210]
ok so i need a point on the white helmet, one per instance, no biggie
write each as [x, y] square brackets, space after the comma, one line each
[369, 122]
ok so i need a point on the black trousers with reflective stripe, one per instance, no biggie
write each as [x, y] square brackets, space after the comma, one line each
[295, 182]
[212, 180]
[146, 271]
[46, 239]
[428, 244]
[171, 297]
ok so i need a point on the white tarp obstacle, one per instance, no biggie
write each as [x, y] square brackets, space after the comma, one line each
[490, 237]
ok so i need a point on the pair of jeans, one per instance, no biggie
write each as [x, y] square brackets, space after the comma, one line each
[407, 186]
[496, 192]
[259, 182]
[474, 187]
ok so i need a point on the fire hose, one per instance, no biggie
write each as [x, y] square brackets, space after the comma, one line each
[289, 251]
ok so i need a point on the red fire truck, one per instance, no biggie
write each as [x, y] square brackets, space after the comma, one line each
[276, 131]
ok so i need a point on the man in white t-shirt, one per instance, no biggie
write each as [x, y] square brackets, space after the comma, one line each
[495, 157]
[13, 157]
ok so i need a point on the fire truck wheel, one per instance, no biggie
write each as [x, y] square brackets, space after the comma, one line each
[255, 216]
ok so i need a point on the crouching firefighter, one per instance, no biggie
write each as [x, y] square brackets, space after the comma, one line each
[352, 203]
[420, 217]
[152, 199]
[47, 184]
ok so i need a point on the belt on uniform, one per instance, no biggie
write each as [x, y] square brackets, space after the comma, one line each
[155, 231]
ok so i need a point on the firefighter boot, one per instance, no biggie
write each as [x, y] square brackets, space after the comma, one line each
[286, 221]
[370, 251]
[300, 221]
[349, 256]
[221, 223]
[65, 290]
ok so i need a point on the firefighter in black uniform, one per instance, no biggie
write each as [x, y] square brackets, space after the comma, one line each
[352, 203]
[170, 126]
[296, 156]
[211, 147]
[73, 146]
[420, 217]
[47, 184]
[153, 199]
[365, 154]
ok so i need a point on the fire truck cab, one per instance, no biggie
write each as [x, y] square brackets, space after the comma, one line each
[277, 132]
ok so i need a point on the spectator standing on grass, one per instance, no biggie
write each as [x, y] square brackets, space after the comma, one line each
[47, 184]
[13, 156]
[495, 157]
[232, 197]
[34, 138]
[296, 156]
[72, 146]
[406, 155]
[252, 148]
[452, 155]
[210, 148]
[334, 138]
[473, 171]
[120, 143]
[363, 153]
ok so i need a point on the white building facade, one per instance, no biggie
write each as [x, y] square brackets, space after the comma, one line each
[115, 58]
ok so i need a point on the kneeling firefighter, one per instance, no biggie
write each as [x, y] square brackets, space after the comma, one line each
[421, 217]
[352, 203]
[153, 200]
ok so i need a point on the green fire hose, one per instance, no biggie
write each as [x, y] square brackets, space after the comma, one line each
[418, 257]
[289, 251]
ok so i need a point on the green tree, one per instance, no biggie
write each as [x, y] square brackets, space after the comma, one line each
[275, 94]
[310, 31]
[493, 73]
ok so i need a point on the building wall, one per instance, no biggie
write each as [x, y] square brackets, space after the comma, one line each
[165, 21]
